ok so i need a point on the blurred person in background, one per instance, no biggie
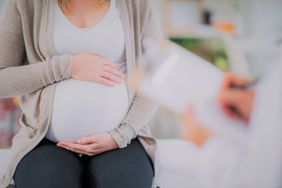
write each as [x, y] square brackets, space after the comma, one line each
[257, 163]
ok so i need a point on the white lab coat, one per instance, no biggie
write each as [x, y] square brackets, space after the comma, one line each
[258, 164]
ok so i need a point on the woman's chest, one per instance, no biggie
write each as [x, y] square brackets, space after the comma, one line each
[106, 38]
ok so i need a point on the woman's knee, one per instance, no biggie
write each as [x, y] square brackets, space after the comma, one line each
[48, 166]
[127, 168]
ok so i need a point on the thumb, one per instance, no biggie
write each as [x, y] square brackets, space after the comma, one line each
[87, 140]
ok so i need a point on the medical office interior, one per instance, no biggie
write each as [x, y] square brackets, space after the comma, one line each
[240, 36]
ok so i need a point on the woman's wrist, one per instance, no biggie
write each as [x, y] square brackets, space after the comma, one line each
[61, 67]
[73, 66]
[123, 135]
[116, 136]
[112, 142]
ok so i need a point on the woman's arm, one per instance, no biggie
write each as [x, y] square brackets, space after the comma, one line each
[142, 109]
[16, 78]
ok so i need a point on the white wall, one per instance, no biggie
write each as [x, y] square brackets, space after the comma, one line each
[1, 3]
[266, 18]
[265, 25]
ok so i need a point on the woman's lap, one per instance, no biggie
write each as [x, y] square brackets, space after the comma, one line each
[128, 167]
[50, 166]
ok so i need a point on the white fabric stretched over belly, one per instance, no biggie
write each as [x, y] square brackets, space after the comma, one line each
[84, 108]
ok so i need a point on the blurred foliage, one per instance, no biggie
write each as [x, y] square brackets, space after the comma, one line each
[212, 50]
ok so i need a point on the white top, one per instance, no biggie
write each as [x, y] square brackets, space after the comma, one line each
[84, 108]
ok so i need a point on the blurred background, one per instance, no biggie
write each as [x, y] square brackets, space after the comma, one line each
[237, 35]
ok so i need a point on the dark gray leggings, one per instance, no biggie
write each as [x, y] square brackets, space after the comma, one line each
[48, 166]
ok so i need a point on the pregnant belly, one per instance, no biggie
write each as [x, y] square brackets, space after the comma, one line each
[85, 108]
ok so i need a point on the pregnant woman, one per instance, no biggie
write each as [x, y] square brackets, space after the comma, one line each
[81, 125]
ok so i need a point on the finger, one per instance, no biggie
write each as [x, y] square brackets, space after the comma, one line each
[68, 144]
[73, 150]
[114, 72]
[111, 77]
[97, 152]
[106, 82]
[93, 149]
[96, 147]
[76, 147]
[89, 148]
[232, 79]
[112, 65]
[232, 97]
[77, 150]
[87, 140]
[237, 78]
[67, 148]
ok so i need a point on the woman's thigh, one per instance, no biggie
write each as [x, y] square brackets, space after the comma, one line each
[49, 166]
[127, 168]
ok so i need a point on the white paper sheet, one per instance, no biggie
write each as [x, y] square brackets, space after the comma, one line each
[181, 79]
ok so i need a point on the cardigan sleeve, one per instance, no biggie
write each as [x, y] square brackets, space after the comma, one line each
[142, 109]
[16, 76]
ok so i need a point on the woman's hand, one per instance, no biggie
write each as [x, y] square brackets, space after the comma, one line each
[89, 67]
[92, 145]
[193, 130]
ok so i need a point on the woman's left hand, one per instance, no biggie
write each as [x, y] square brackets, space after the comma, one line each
[92, 145]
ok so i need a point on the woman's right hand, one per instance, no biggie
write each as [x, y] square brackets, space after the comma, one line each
[93, 68]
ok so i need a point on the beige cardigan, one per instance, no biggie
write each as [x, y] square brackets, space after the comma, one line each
[30, 68]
